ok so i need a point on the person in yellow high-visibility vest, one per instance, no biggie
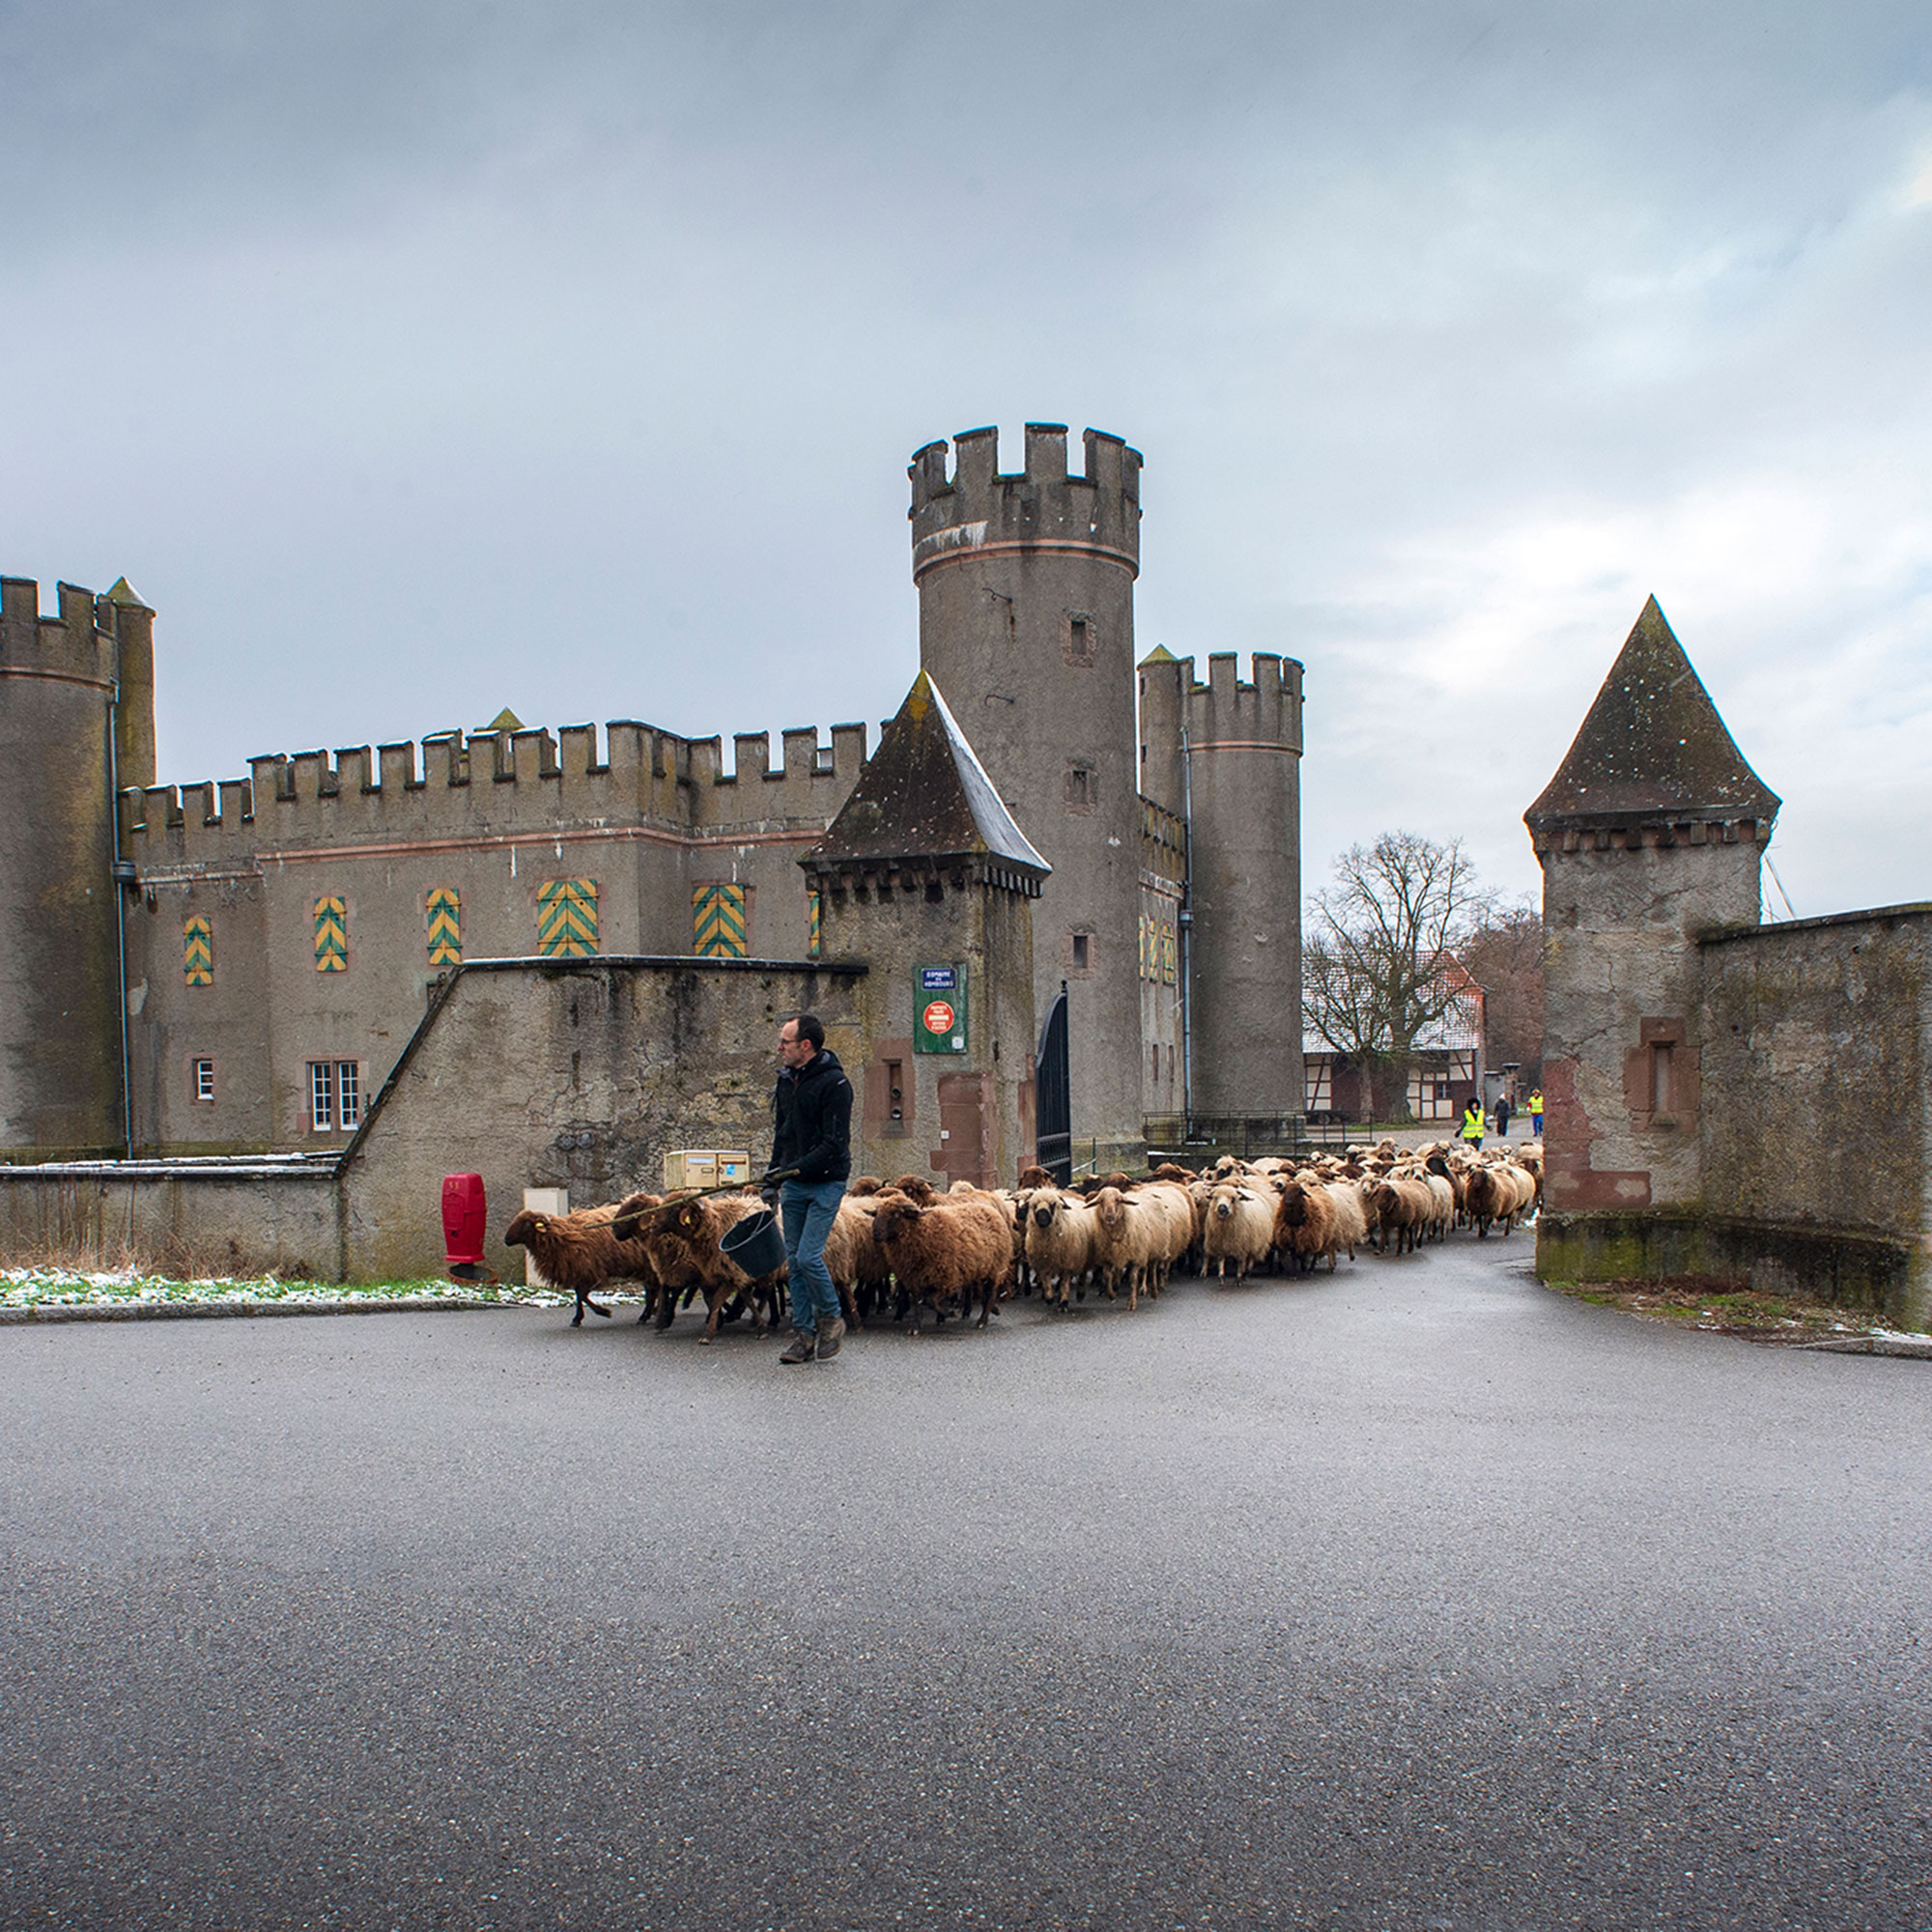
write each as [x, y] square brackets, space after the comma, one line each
[1536, 1113]
[1472, 1122]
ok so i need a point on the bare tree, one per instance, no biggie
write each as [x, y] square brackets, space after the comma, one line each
[1504, 956]
[1377, 942]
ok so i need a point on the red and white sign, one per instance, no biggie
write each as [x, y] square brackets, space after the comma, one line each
[937, 1017]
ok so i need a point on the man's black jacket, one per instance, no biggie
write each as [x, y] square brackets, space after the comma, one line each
[811, 1118]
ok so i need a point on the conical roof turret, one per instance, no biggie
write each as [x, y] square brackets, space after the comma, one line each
[1652, 748]
[924, 795]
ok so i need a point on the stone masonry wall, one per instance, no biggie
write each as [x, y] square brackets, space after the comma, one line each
[1818, 1050]
[496, 817]
[572, 1073]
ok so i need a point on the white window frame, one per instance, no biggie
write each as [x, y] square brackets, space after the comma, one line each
[348, 1094]
[322, 1096]
[200, 1075]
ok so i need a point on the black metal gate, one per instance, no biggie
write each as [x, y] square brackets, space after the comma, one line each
[1053, 1097]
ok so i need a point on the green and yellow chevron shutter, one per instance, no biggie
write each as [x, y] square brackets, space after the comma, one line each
[442, 919]
[198, 952]
[718, 923]
[331, 935]
[567, 919]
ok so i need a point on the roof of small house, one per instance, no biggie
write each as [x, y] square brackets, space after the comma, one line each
[1652, 743]
[924, 794]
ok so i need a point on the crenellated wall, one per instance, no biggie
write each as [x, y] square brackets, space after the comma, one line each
[497, 819]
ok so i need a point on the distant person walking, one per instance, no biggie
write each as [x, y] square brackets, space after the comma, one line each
[811, 1143]
[1536, 1113]
[1472, 1122]
[1503, 1118]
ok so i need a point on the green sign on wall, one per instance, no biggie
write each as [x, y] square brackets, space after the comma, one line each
[939, 1010]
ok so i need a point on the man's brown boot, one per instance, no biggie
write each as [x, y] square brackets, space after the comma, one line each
[803, 1346]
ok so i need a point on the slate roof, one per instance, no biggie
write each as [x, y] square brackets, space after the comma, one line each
[1652, 745]
[924, 794]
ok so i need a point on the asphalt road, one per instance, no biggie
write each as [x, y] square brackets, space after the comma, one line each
[1416, 1597]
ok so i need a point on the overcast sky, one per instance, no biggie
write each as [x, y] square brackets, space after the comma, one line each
[417, 361]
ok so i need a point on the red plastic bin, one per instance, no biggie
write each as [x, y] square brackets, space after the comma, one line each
[464, 1218]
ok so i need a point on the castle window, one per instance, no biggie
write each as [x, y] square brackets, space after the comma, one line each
[1082, 788]
[322, 1096]
[443, 922]
[567, 919]
[203, 1080]
[1081, 947]
[198, 952]
[331, 935]
[719, 923]
[334, 1094]
[1076, 637]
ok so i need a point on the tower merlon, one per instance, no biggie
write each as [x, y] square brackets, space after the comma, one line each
[750, 755]
[1042, 508]
[1228, 710]
[69, 645]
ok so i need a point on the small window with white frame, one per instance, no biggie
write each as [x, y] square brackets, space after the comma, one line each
[334, 1095]
[204, 1079]
[322, 1096]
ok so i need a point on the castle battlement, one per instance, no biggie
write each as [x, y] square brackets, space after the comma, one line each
[1262, 712]
[1226, 710]
[80, 642]
[978, 509]
[489, 785]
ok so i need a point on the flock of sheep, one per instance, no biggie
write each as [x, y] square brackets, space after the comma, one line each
[904, 1248]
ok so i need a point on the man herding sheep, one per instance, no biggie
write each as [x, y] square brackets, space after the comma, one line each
[811, 1143]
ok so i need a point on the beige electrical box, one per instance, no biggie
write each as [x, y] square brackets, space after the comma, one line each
[707, 1167]
[542, 1201]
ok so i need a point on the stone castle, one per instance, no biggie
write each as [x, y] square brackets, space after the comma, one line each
[235, 967]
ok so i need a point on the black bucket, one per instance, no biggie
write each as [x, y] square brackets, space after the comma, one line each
[756, 1244]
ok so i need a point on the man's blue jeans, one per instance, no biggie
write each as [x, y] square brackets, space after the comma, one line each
[808, 1208]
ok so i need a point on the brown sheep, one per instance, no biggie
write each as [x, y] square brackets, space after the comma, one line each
[941, 1253]
[1306, 1223]
[1498, 1191]
[682, 1239]
[580, 1251]
[1403, 1208]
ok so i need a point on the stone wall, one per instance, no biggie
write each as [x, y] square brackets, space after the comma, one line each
[550, 1073]
[190, 1218]
[496, 817]
[577, 1073]
[1813, 1123]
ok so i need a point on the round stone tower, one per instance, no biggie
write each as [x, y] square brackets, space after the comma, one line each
[1026, 620]
[76, 718]
[1243, 751]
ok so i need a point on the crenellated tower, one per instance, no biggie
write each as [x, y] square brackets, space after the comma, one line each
[76, 716]
[1026, 619]
[1226, 755]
